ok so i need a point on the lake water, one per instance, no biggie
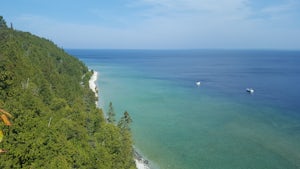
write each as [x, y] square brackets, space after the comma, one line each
[217, 125]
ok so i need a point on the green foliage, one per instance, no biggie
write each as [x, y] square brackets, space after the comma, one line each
[124, 126]
[124, 123]
[56, 123]
[2, 23]
[111, 114]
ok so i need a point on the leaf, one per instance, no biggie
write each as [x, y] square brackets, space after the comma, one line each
[5, 120]
[5, 112]
[1, 135]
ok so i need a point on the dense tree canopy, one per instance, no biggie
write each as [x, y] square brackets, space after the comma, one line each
[55, 122]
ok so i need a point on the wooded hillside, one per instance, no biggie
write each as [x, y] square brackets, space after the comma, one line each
[55, 122]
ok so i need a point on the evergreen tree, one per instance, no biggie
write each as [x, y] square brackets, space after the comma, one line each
[126, 148]
[111, 114]
[2, 22]
[125, 121]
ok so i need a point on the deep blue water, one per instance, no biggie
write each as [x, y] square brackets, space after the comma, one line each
[217, 125]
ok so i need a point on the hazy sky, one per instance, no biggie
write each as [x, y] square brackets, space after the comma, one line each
[159, 24]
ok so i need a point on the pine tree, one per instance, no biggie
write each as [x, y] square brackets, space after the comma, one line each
[125, 121]
[126, 148]
[2, 22]
[111, 114]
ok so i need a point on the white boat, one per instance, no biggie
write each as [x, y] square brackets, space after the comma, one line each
[250, 90]
[198, 83]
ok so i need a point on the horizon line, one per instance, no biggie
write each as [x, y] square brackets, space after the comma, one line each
[186, 49]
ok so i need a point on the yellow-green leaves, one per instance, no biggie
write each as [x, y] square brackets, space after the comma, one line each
[1, 135]
[6, 113]
[5, 120]
[4, 116]
[1, 138]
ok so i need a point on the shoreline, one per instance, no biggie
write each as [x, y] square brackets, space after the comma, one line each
[140, 162]
[93, 85]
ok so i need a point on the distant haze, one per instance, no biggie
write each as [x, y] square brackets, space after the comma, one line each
[160, 24]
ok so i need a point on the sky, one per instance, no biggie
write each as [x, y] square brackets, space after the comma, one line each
[159, 24]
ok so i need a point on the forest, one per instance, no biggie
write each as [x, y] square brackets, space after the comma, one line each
[48, 114]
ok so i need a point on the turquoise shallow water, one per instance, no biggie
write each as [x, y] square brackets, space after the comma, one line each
[215, 126]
